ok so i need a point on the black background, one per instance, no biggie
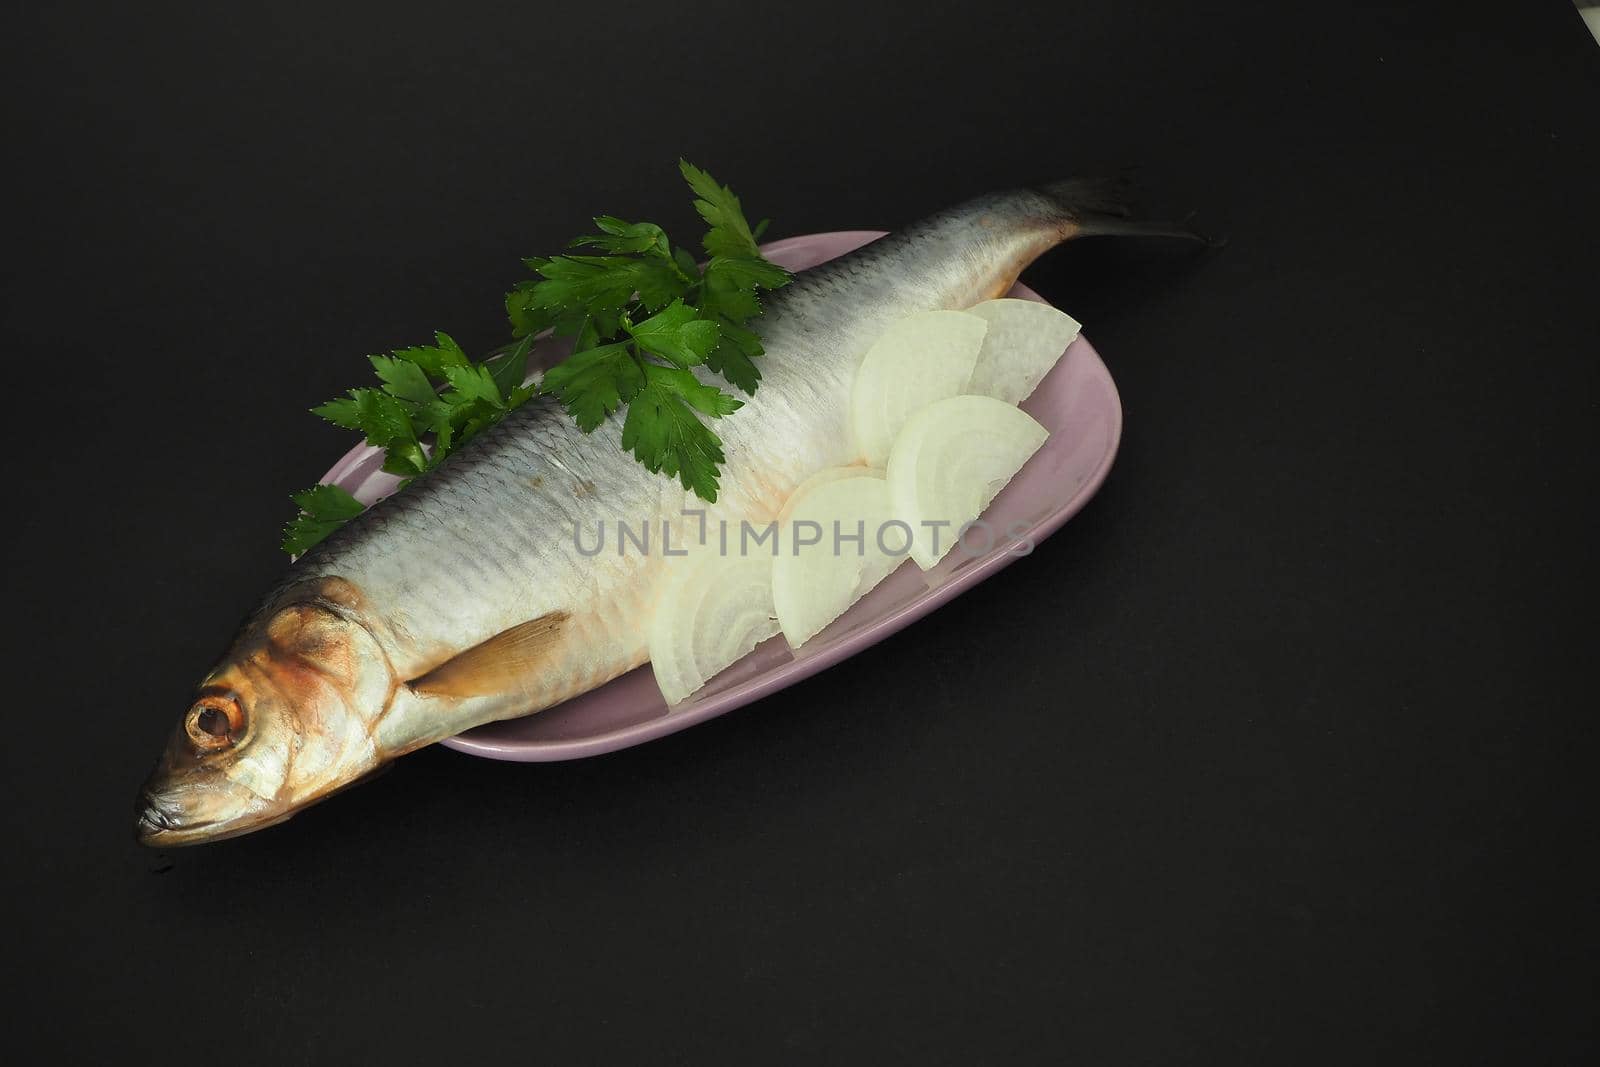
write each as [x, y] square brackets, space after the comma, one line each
[1279, 750]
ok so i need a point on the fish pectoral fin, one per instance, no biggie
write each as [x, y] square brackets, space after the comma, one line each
[498, 665]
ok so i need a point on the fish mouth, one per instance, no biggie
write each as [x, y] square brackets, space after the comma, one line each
[159, 823]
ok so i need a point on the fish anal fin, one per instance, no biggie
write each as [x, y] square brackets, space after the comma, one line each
[501, 664]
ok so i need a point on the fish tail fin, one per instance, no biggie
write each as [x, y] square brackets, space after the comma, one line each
[1105, 207]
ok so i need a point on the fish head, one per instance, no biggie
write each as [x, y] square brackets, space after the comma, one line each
[284, 720]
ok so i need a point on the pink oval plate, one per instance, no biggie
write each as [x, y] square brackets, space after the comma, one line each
[1077, 402]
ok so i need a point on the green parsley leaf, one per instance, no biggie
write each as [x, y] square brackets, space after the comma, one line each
[747, 273]
[588, 282]
[405, 457]
[323, 509]
[527, 317]
[403, 379]
[677, 334]
[729, 297]
[385, 422]
[619, 235]
[378, 416]
[735, 354]
[594, 383]
[579, 290]
[729, 234]
[344, 411]
[435, 358]
[664, 433]
[472, 383]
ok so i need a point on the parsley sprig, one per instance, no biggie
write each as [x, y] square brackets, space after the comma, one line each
[642, 313]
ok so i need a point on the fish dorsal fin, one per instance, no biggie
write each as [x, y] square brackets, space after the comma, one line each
[499, 665]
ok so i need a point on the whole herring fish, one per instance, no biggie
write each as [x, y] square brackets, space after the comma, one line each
[465, 599]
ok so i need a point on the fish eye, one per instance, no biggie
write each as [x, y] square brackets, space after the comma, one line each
[214, 723]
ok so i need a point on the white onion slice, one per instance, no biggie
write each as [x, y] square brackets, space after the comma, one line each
[822, 477]
[921, 358]
[1024, 340]
[949, 461]
[713, 610]
[813, 584]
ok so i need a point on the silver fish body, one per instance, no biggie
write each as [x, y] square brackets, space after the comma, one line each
[475, 594]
